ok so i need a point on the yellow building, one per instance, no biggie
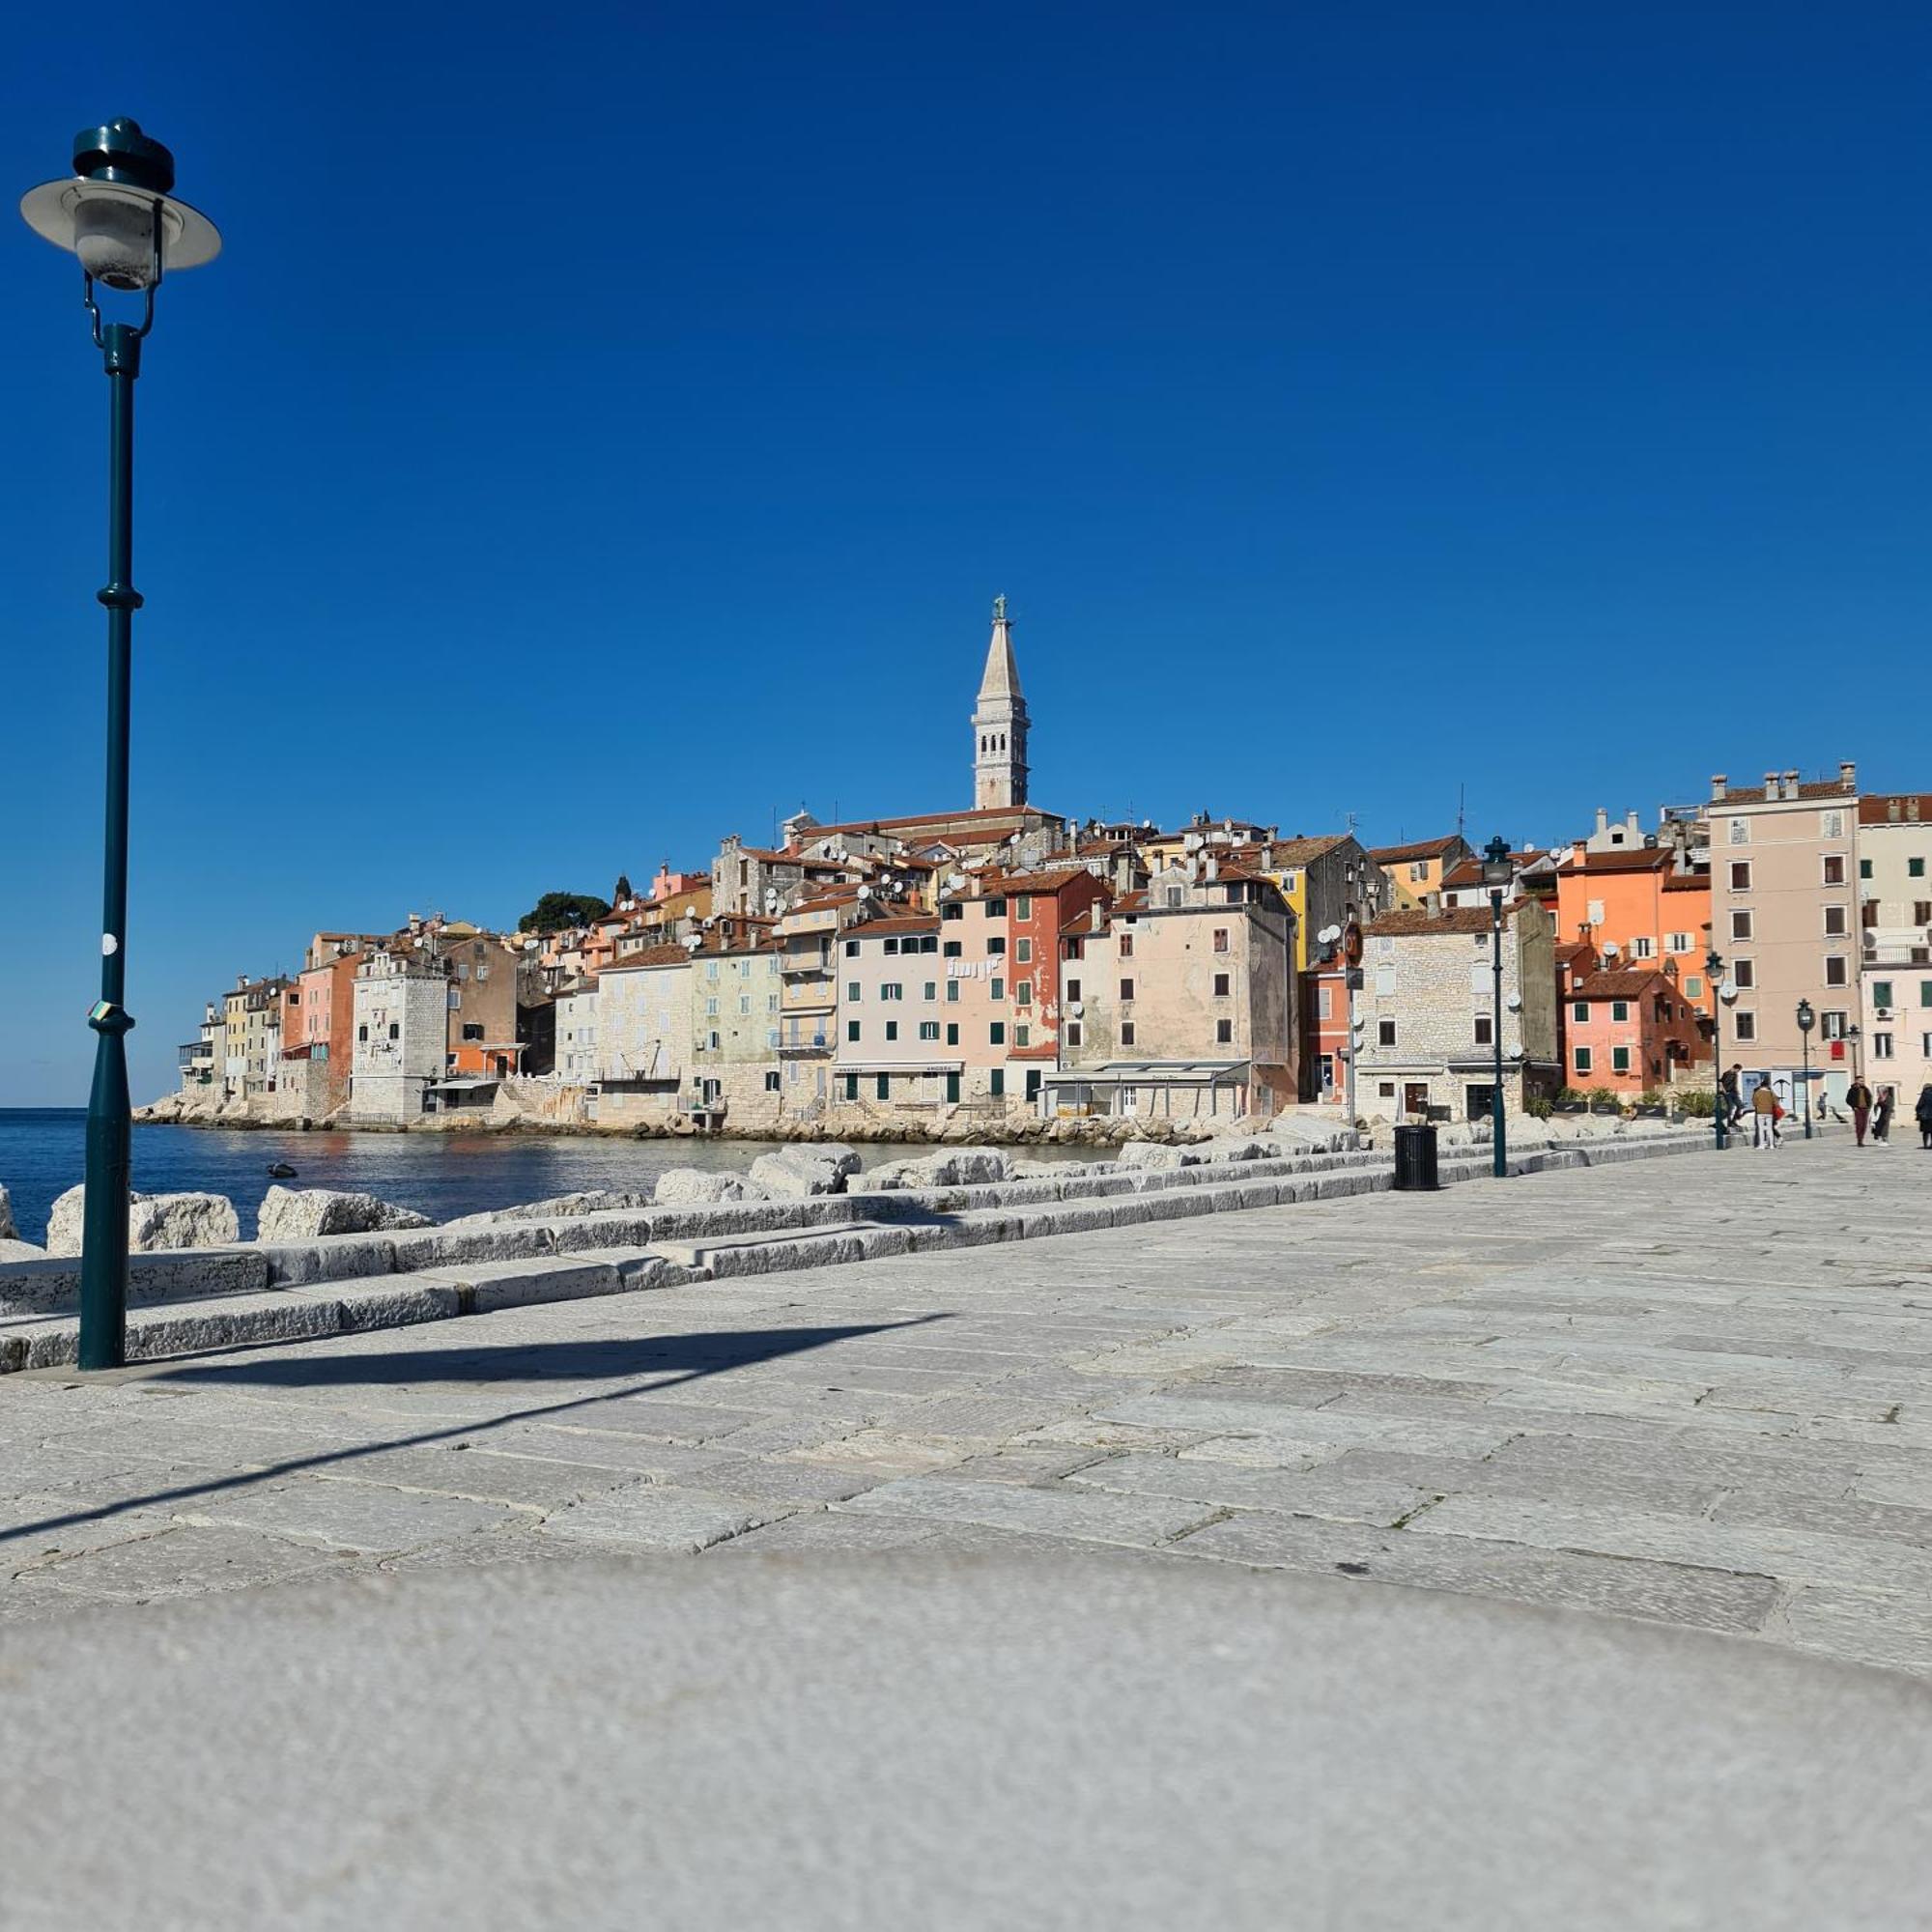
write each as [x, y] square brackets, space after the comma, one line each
[1416, 870]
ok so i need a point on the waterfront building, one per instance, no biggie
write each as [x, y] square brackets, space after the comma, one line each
[1633, 1030]
[1187, 1001]
[736, 1024]
[1784, 908]
[899, 1044]
[316, 1054]
[1640, 907]
[1895, 943]
[401, 1016]
[576, 1035]
[644, 1036]
[1427, 1007]
[1047, 917]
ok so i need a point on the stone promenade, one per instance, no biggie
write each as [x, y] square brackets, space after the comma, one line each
[1696, 1390]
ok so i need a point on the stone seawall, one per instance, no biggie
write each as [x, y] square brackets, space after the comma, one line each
[341, 1284]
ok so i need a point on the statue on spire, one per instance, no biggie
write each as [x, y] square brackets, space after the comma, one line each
[1000, 609]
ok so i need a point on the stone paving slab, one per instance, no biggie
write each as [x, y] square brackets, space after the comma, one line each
[1691, 1390]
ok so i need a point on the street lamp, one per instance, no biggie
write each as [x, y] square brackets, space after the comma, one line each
[1497, 873]
[1806, 1020]
[1714, 967]
[117, 215]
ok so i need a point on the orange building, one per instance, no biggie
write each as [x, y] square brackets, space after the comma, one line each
[1638, 911]
[1629, 1031]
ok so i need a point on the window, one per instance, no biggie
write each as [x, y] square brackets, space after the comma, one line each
[1741, 875]
[996, 908]
[1740, 832]
[1679, 942]
[1582, 1059]
[1643, 948]
[1834, 868]
[1072, 987]
[711, 1009]
[928, 941]
[1126, 989]
[1881, 992]
[1921, 912]
[1220, 938]
[851, 1029]
[1386, 1090]
[472, 1030]
[891, 944]
[995, 947]
[1915, 868]
[1834, 971]
[395, 1030]
[953, 909]
[1926, 992]
[1022, 1036]
[1022, 951]
[1384, 1033]
[1126, 1033]
[953, 992]
[1023, 993]
[884, 1089]
[1486, 1030]
[1023, 908]
[1744, 974]
[1620, 1010]
[997, 1083]
[362, 1032]
[953, 949]
[953, 1033]
[1579, 1011]
[892, 989]
[851, 1086]
[1126, 945]
[997, 1033]
[1836, 925]
[997, 988]
[1864, 868]
[1418, 870]
[1880, 1047]
[931, 990]
[1740, 925]
[744, 1005]
[1833, 1021]
[1744, 1026]
[771, 1080]
[1173, 895]
[928, 1028]
[892, 1028]
[1221, 987]
[712, 1042]
[1620, 1059]
[1073, 1033]
[1830, 825]
[852, 990]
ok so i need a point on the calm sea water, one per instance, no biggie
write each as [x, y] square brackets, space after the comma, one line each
[42, 1150]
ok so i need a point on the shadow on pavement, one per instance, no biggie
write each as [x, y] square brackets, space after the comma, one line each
[640, 1366]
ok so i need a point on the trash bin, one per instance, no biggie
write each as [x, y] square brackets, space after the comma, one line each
[1415, 1159]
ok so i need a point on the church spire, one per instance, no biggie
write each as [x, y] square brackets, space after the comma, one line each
[1000, 723]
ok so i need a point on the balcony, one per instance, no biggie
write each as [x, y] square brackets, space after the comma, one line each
[801, 1044]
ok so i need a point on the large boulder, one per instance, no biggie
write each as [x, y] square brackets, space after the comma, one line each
[694, 1187]
[156, 1222]
[794, 1172]
[9, 1232]
[300, 1213]
[561, 1207]
[955, 1167]
[1149, 1153]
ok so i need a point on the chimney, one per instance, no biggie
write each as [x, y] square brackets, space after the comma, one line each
[1770, 786]
[1602, 821]
[1791, 784]
[1635, 823]
[1433, 902]
[1848, 775]
[1717, 784]
[1892, 809]
[1912, 808]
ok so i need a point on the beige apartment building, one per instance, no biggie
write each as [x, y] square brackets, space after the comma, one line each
[1783, 913]
[1895, 936]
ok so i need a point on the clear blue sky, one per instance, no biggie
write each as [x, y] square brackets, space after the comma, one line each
[609, 423]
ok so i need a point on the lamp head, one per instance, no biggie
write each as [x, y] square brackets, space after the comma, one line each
[1806, 1018]
[1497, 870]
[107, 212]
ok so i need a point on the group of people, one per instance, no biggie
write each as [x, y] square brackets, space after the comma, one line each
[1871, 1113]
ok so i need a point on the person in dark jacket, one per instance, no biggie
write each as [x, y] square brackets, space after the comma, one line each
[1858, 1099]
[1923, 1114]
[1882, 1116]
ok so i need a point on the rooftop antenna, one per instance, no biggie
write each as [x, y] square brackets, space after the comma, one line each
[1461, 789]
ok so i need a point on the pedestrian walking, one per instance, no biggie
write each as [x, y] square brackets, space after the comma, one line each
[1858, 1099]
[1923, 1114]
[1727, 1096]
[1882, 1116]
[1763, 1116]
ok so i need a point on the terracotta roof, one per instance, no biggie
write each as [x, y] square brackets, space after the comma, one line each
[878, 929]
[1421, 923]
[1423, 848]
[1633, 859]
[1626, 983]
[1286, 852]
[980, 814]
[1875, 809]
[1756, 795]
[1698, 881]
[1132, 902]
[652, 955]
[1038, 882]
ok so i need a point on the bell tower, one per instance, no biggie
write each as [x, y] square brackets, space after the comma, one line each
[1000, 723]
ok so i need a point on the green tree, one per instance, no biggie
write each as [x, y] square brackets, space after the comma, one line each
[556, 910]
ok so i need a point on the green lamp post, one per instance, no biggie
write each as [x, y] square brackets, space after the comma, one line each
[1807, 1020]
[1497, 873]
[116, 212]
[1714, 969]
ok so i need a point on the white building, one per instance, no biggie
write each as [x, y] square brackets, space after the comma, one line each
[1895, 931]
[402, 1031]
[644, 1035]
[577, 1034]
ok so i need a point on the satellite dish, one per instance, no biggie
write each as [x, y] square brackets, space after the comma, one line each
[1330, 934]
[1076, 1007]
[1513, 1003]
[865, 892]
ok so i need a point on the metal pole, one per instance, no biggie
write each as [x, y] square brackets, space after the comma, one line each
[1805, 1054]
[1349, 984]
[103, 1255]
[1498, 1148]
[1718, 1121]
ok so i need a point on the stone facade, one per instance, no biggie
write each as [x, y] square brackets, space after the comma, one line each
[735, 1033]
[644, 1037]
[402, 1021]
[1000, 724]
